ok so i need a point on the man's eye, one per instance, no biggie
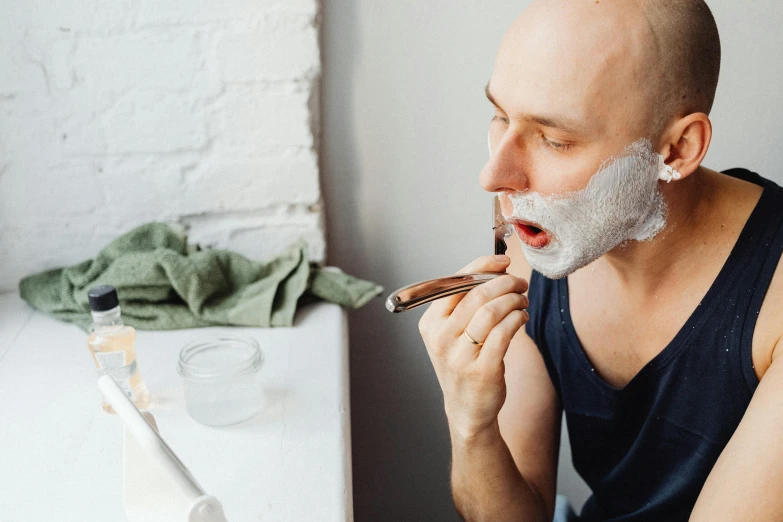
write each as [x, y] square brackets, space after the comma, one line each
[561, 147]
[500, 119]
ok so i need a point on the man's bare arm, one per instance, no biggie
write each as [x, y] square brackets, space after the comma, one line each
[745, 483]
[510, 472]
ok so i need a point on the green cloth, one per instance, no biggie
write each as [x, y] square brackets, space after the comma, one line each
[164, 283]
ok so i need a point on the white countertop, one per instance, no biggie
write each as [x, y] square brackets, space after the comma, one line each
[61, 455]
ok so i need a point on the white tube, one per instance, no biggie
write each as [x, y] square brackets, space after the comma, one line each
[148, 438]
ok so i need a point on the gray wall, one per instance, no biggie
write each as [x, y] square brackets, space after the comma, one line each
[404, 138]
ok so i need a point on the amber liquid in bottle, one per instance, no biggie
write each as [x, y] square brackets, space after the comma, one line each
[112, 345]
[114, 353]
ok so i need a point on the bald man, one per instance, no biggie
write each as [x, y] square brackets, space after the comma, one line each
[653, 313]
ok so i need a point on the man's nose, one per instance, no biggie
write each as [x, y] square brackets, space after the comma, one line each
[506, 170]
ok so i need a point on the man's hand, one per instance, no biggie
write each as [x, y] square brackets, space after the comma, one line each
[472, 376]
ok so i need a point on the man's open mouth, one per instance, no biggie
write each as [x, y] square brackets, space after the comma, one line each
[532, 234]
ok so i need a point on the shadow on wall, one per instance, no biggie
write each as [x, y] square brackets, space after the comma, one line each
[400, 440]
[403, 141]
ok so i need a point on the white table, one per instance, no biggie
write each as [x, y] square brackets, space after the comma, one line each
[60, 454]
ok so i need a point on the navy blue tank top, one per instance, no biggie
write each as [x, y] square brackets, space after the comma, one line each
[647, 449]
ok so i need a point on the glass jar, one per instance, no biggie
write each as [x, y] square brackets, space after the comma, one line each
[221, 379]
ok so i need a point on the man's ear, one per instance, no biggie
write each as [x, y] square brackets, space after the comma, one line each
[686, 143]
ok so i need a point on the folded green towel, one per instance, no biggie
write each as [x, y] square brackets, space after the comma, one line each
[164, 283]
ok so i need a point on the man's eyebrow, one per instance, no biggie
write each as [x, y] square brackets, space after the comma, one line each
[553, 122]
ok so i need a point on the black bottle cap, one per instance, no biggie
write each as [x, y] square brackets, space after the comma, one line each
[103, 298]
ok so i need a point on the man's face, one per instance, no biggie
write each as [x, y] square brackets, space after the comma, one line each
[570, 88]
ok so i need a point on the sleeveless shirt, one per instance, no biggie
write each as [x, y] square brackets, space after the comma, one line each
[646, 450]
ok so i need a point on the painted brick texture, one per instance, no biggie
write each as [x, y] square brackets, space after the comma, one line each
[117, 113]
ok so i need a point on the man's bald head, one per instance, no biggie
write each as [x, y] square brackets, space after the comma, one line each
[638, 63]
[689, 47]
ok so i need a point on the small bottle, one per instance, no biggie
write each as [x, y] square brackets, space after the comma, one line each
[112, 346]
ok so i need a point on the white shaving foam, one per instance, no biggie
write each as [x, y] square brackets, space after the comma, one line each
[621, 202]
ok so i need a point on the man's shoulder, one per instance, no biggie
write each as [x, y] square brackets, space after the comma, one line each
[732, 201]
[737, 184]
[743, 175]
[768, 335]
[769, 328]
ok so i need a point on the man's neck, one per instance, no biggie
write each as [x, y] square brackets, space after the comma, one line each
[644, 266]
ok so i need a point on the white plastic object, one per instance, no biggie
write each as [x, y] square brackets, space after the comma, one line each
[157, 487]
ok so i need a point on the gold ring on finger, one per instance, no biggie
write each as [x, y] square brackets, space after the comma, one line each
[465, 333]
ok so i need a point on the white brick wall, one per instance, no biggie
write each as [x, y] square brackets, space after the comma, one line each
[117, 113]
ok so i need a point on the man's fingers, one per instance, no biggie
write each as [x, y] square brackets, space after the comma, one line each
[493, 313]
[483, 294]
[497, 343]
[486, 264]
[444, 307]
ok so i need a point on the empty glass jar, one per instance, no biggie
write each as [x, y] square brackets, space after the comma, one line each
[221, 379]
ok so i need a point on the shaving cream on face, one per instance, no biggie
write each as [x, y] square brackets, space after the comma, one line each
[621, 202]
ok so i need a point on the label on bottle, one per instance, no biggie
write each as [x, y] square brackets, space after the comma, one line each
[113, 363]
